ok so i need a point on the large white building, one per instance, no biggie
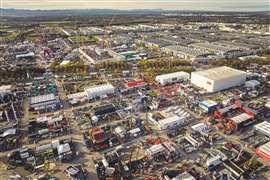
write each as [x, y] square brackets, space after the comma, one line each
[172, 77]
[217, 79]
[99, 91]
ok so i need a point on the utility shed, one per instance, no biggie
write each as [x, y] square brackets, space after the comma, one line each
[217, 79]
[172, 77]
[99, 91]
[263, 127]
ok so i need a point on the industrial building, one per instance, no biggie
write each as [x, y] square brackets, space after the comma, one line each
[264, 151]
[208, 106]
[263, 128]
[184, 52]
[172, 78]
[171, 122]
[44, 102]
[104, 109]
[242, 120]
[99, 91]
[215, 48]
[217, 79]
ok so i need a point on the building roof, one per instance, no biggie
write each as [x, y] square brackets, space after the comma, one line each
[30, 54]
[155, 149]
[264, 151]
[220, 73]
[264, 128]
[173, 75]
[187, 50]
[171, 120]
[241, 118]
[212, 47]
[184, 176]
[134, 84]
[42, 98]
[252, 83]
[5, 89]
[99, 89]
[209, 103]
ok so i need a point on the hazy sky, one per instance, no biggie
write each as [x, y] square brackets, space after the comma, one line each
[229, 5]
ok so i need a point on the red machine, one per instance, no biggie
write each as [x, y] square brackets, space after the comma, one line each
[99, 138]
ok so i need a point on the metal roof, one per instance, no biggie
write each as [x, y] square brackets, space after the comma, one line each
[264, 128]
[241, 118]
[187, 50]
[220, 73]
[264, 150]
[42, 98]
[173, 75]
[99, 89]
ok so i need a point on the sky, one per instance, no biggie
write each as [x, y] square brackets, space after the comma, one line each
[213, 5]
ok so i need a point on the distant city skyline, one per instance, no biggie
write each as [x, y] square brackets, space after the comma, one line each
[211, 5]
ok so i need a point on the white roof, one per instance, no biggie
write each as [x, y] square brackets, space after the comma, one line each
[63, 148]
[171, 120]
[64, 62]
[220, 73]
[155, 149]
[241, 118]
[173, 75]
[184, 176]
[199, 127]
[76, 95]
[25, 55]
[264, 128]
[134, 131]
[5, 88]
[252, 83]
[99, 89]
[9, 132]
[212, 160]
[42, 98]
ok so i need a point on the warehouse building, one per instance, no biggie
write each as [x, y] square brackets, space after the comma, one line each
[172, 78]
[184, 52]
[217, 79]
[99, 91]
[263, 128]
[264, 151]
[104, 109]
[242, 120]
[171, 122]
[44, 102]
[215, 48]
